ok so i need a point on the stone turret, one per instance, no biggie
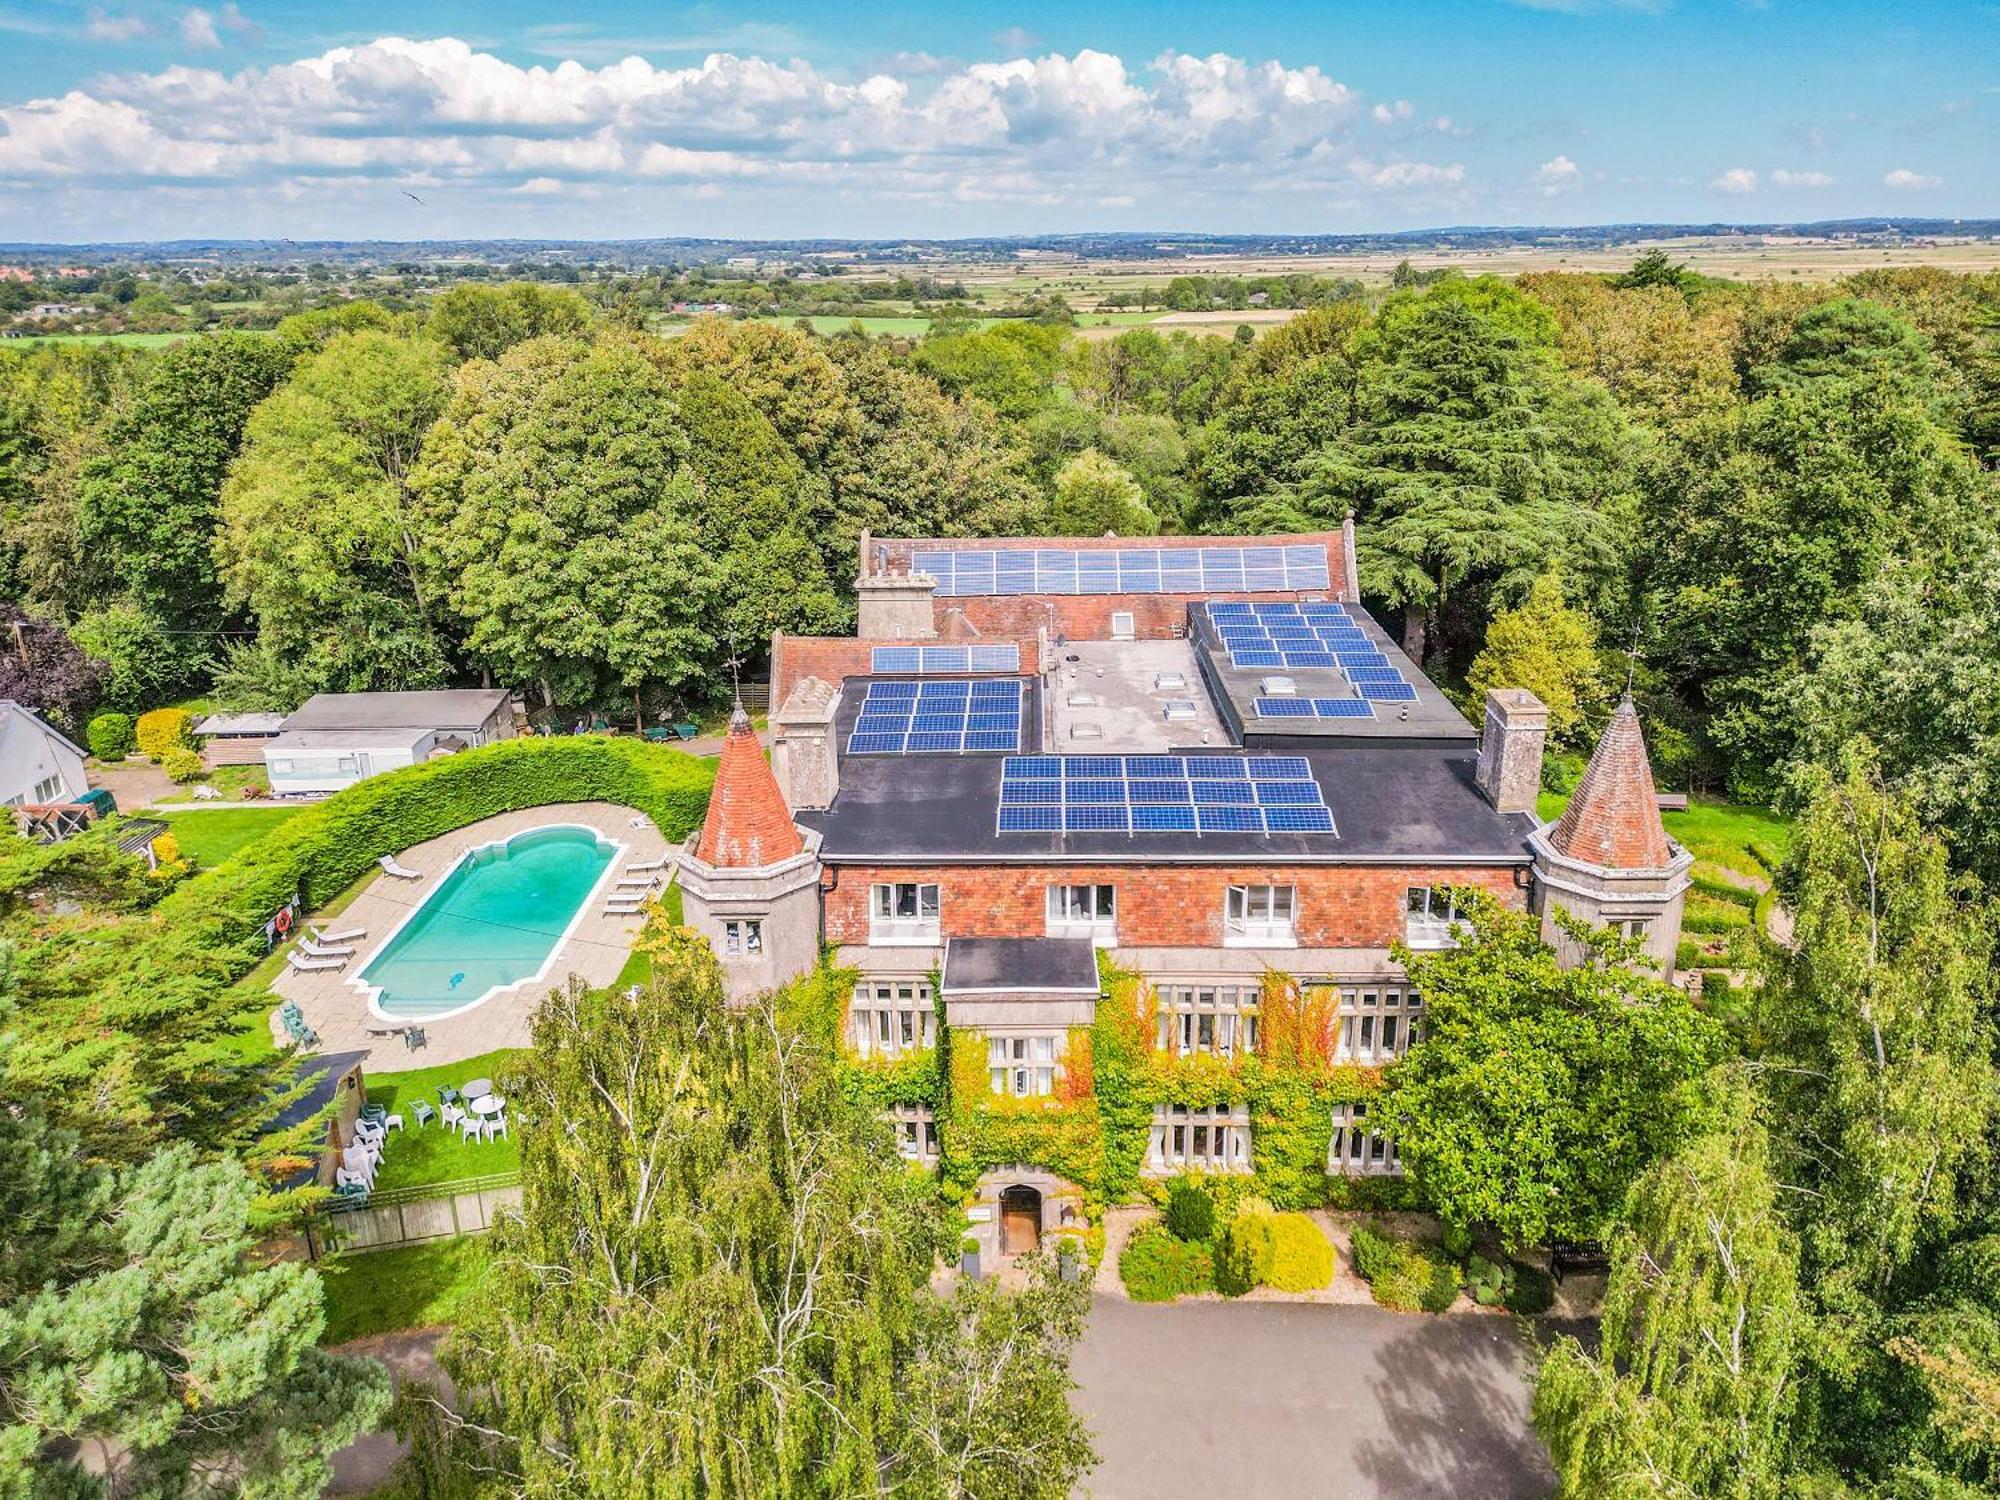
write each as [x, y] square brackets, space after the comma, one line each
[749, 878]
[1608, 859]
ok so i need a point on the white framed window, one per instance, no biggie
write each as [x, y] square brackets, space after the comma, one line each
[889, 1017]
[1375, 1023]
[1084, 911]
[743, 937]
[903, 913]
[1357, 1151]
[1631, 927]
[916, 1131]
[1124, 625]
[48, 789]
[1259, 916]
[1430, 917]
[1219, 1019]
[1024, 1066]
[280, 766]
[1214, 1139]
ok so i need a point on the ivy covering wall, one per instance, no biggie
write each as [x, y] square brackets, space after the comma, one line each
[1096, 1129]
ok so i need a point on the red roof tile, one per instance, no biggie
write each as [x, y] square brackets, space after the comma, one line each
[1614, 818]
[748, 823]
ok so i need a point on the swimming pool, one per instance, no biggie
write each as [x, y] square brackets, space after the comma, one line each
[495, 920]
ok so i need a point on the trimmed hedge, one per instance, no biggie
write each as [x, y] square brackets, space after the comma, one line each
[162, 730]
[183, 765]
[1156, 1267]
[1243, 1255]
[110, 736]
[1301, 1256]
[330, 845]
[1190, 1211]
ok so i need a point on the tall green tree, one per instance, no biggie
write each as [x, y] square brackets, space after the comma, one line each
[149, 501]
[1472, 463]
[1692, 1387]
[1548, 648]
[1540, 1090]
[1875, 1035]
[1768, 523]
[719, 1282]
[319, 535]
[484, 322]
[1093, 496]
[560, 521]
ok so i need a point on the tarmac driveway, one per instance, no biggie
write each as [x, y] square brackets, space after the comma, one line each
[1283, 1400]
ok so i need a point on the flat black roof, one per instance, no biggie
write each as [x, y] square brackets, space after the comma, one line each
[1392, 802]
[1020, 965]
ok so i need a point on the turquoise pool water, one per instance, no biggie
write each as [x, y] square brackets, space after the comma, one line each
[494, 921]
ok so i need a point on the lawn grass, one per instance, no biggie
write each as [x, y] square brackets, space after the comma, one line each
[209, 837]
[1737, 836]
[415, 1157]
[230, 781]
[412, 1286]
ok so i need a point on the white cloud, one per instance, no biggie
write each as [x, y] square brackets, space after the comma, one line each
[1556, 175]
[1903, 180]
[1784, 179]
[1736, 180]
[1016, 39]
[1388, 114]
[1081, 129]
[198, 29]
[100, 26]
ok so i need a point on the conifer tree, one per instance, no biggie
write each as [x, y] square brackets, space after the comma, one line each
[1547, 648]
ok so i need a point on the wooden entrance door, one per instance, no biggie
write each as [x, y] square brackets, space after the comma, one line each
[1020, 1220]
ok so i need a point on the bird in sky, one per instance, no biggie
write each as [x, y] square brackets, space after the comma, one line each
[410, 195]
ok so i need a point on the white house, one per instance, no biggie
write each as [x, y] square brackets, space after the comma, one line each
[37, 764]
[337, 739]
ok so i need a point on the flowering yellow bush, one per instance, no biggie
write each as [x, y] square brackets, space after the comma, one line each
[162, 730]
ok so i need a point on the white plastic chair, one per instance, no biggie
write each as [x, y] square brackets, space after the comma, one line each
[468, 1127]
[344, 1178]
[392, 1122]
[497, 1126]
[452, 1117]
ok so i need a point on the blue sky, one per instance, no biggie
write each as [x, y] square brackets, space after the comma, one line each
[158, 118]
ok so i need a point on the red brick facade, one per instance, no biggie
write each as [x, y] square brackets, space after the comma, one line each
[1163, 906]
[832, 658]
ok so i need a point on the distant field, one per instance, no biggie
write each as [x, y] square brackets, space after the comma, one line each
[138, 340]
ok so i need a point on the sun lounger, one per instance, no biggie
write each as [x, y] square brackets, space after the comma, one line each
[345, 935]
[320, 950]
[639, 883]
[401, 872]
[314, 965]
[642, 868]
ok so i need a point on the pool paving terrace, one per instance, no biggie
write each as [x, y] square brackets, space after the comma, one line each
[594, 952]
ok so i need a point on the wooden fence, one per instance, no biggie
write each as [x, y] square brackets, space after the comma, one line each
[412, 1215]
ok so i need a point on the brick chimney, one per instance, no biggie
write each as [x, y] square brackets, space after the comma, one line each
[1510, 749]
[803, 752]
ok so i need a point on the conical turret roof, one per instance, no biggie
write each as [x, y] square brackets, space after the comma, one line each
[1614, 818]
[748, 824]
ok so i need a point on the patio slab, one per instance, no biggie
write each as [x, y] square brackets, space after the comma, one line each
[594, 952]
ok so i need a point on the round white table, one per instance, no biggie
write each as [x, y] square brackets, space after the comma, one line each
[487, 1105]
[478, 1088]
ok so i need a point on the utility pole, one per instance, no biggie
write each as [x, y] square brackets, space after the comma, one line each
[20, 643]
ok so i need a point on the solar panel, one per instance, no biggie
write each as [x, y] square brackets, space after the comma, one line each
[1284, 708]
[937, 718]
[1124, 570]
[1161, 794]
[1389, 692]
[1342, 708]
[895, 659]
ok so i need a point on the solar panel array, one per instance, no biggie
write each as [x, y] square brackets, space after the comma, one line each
[1314, 708]
[946, 658]
[937, 718]
[1310, 635]
[1126, 570]
[1130, 794]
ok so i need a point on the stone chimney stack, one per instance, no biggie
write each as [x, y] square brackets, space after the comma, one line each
[895, 607]
[1350, 568]
[802, 746]
[1510, 750]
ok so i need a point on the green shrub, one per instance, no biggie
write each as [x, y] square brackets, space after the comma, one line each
[110, 736]
[1723, 891]
[1533, 1292]
[1403, 1274]
[183, 765]
[1301, 1256]
[162, 730]
[1190, 1211]
[1158, 1267]
[1490, 1282]
[1243, 1255]
[1457, 1241]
